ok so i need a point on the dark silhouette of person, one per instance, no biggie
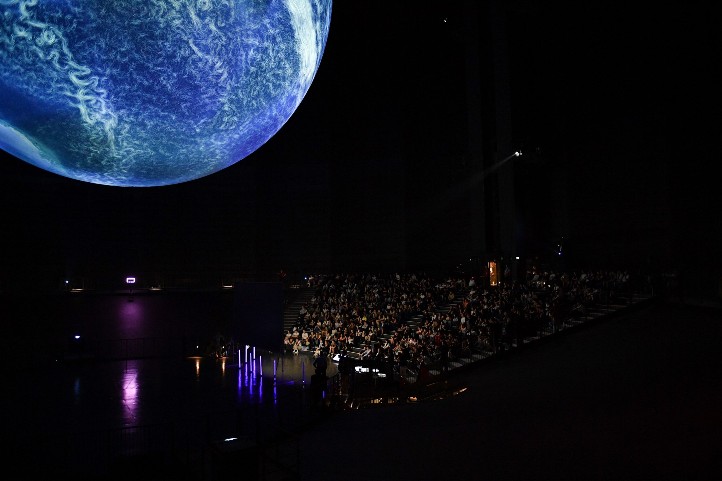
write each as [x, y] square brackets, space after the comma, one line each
[444, 359]
[321, 364]
[318, 386]
[345, 368]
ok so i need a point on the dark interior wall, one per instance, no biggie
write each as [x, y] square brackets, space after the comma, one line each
[258, 314]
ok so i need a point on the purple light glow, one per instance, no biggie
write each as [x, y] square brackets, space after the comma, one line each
[131, 320]
[130, 395]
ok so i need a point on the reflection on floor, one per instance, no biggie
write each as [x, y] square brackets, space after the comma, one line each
[92, 418]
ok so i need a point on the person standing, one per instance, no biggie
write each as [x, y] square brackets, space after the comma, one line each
[345, 368]
[321, 363]
[318, 386]
[444, 358]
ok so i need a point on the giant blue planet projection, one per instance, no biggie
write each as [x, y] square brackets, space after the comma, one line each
[142, 93]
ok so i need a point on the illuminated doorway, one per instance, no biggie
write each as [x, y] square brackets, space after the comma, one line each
[493, 273]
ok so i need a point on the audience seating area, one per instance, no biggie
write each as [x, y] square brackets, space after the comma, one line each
[415, 328]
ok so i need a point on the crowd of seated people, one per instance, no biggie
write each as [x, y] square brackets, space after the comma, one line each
[452, 317]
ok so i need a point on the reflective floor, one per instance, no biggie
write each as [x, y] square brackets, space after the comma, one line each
[639, 392]
[71, 415]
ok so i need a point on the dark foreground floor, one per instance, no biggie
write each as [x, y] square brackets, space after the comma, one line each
[634, 396]
[638, 396]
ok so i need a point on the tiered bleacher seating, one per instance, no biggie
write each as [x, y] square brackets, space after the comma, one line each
[301, 296]
[576, 311]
